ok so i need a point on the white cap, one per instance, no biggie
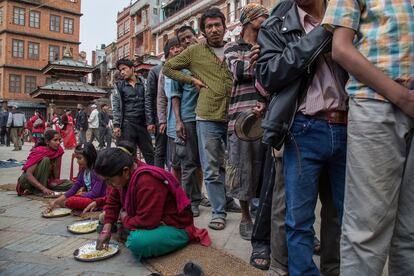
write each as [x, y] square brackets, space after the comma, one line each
[94, 106]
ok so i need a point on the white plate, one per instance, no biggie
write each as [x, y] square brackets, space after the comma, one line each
[83, 227]
[58, 212]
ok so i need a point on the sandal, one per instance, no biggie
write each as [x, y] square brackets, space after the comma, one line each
[217, 223]
[260, 255]
[246, 230]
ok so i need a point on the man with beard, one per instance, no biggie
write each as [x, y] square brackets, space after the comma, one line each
[213, 80]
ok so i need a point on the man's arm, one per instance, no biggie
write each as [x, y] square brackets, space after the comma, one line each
[345, 53]
[173, 66]
[150, 97]
[239, 64]
[116, 107]
[176, 94]
[279, 63]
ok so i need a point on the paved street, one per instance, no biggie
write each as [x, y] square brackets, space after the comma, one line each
[32, 245]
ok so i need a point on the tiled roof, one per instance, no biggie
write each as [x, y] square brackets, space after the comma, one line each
[73, 86]
[71, 63]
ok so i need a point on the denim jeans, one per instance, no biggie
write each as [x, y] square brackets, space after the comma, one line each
[211, 145]
[314, 145]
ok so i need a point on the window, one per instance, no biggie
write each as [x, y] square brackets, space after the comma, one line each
[18, 48]
[55, 23]
[1, 15]
[18, 16]
[1, 47]
[126, 50]
[34, 19]
[155, 10]
[68, 25]
[120, 52]
[15, 83]
[53, 53]
[228, 13]
[126, 26]
[49, 80]
[33, 50]
[237, 8]
[29, 84]
[120, 30]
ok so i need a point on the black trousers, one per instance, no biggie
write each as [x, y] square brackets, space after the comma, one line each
[4, 137]
[105, 137]
[160, 149]
[138, 135]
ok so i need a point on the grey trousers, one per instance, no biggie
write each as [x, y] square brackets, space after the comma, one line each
[82, 136]
[379, 195]
[94, 134]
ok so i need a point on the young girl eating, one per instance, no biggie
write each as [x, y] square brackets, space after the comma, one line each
[152, 207]
[41, 172]
[93, 186]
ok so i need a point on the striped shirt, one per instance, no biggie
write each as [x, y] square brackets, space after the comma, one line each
[243, 95]
[385, 36]
[201, 60]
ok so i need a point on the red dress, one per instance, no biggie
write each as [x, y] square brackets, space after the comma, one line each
[68, 134]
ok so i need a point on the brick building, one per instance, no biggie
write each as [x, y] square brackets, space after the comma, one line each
[176, 13]
[32, 33]
[125, 34]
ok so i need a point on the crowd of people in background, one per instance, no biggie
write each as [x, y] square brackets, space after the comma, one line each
[337, 125]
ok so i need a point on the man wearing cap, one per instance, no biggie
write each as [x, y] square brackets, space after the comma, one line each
[81, 123]
[93, 121]
[129, 110]
[244, 158]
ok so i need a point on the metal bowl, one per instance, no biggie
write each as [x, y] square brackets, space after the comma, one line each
[248, 126]
[57, 213]
[90, 247]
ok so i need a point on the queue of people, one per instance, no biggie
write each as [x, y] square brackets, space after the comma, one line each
[338, 125]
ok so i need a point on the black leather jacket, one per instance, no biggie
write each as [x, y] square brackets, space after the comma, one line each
[285, 68]
[151, 95]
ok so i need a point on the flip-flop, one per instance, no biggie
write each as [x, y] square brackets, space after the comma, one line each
[217, 223]
[246, 230]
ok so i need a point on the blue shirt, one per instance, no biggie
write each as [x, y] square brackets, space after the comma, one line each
[171, 132]
[188, 95]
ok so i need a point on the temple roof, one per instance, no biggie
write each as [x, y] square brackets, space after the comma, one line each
[68, 88]
[67, 64]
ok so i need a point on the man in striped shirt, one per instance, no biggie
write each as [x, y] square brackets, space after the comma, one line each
[244, 159]
[374, 41]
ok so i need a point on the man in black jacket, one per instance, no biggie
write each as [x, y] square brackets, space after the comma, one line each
[81, 123]
[129, 111]
[151, 116]
[295, 58]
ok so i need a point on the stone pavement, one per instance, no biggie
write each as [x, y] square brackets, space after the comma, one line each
[32, 245]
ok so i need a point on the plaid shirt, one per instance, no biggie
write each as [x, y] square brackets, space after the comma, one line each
[385, 36]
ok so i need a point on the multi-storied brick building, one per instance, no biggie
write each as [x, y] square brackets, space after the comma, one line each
[175, 13]
[32, 33]
[125, 43]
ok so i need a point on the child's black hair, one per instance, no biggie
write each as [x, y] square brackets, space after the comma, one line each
[89, 152]
[112, 161]
[47, 136]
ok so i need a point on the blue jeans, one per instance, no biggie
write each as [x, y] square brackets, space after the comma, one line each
[314, 145]
[212, 145]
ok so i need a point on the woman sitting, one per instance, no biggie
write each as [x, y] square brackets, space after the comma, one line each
[152, 207]
[41, 173]
[93, 186]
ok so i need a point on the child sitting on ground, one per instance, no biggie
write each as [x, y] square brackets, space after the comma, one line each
[93, 186]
